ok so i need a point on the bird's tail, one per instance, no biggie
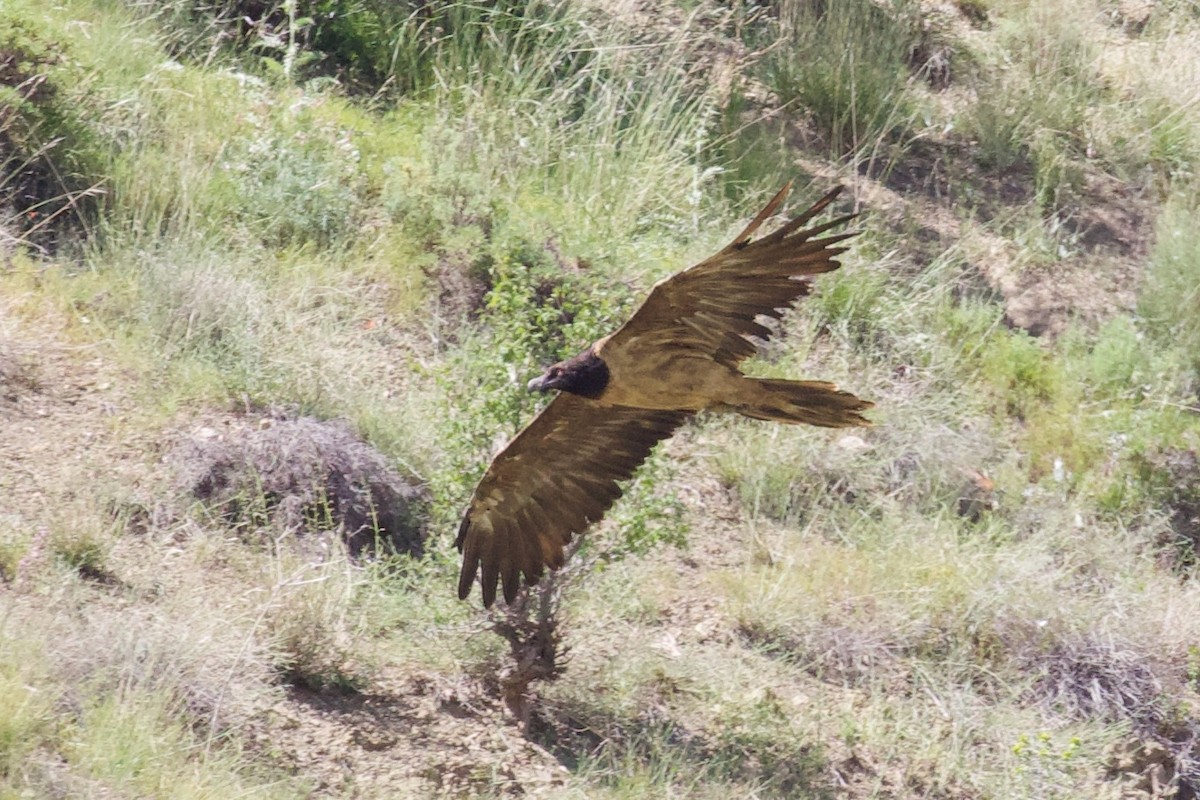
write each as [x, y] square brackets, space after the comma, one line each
[796, 402]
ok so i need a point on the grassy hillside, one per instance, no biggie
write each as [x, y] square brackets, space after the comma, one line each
[272, 278]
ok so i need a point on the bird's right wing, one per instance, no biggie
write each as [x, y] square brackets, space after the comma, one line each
[556, 477]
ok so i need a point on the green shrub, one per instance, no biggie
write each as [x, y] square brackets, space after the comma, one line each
[1020, 370]
[51, 154]
[649, 515]
[432, 199]
[1171, 292]
[299, 182]
[1117, 360]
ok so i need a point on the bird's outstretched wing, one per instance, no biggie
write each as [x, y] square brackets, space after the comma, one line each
[555, 478]
[710, 308]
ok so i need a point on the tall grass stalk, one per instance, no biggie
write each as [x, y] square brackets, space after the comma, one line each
[607, 128]
[846, 65]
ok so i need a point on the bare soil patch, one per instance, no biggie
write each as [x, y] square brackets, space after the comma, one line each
[412, 734]
[939, 202]
[62, 413]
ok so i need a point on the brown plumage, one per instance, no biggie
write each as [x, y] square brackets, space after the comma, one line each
[678, 354]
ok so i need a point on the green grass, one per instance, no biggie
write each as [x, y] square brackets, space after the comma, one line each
[29, 718]
[133, 742]
[1171, 288]
[847, 65]
[1035, 104]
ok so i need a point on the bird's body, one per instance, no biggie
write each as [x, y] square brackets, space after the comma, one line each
[644, 375]
[677, 355]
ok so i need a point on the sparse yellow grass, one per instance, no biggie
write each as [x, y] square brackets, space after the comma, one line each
[28, 703]
[135, 742]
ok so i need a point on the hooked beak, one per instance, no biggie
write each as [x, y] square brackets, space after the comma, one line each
[538, 384]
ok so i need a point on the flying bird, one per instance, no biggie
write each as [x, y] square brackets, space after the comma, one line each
[677, 355]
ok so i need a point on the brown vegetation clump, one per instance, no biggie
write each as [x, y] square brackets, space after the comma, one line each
[535, 646]
[304, 474]
[1097, 680]
[1092, 679]
[18, 373]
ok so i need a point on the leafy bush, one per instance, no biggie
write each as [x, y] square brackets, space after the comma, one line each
[406, 46]
[1117, 360]
[50, 159]
[299, 182]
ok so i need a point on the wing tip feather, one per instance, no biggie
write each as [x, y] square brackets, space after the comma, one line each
[463, 527]
[743, 238]
[489, 581]
[466, 576]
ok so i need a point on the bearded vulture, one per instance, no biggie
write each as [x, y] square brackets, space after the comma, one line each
[677, 355]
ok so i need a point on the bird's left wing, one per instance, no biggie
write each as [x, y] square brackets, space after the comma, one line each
[711, 308]
[553, 479]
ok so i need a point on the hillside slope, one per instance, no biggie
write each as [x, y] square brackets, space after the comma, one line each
[268, 270]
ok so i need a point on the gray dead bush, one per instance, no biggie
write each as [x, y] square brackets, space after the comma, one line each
[1092, 678]
[303, 475]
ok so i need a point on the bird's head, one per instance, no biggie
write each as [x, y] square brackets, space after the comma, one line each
[552, 378]
[585, 374]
